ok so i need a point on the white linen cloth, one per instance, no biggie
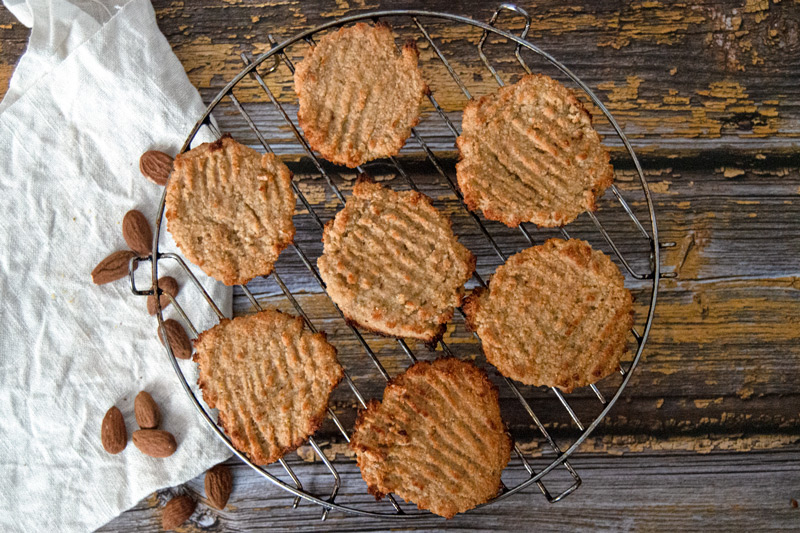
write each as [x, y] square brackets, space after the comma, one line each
[98, 86]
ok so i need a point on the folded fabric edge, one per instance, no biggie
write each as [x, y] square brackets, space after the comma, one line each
[40, 57]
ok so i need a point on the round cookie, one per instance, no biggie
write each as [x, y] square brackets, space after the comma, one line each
[557, 315]
[529, 153]
[359, 97]
[392, 263]
[436, 439]
[229, 209]
[270, 380]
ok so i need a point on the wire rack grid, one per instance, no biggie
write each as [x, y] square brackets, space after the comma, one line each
[278, 53]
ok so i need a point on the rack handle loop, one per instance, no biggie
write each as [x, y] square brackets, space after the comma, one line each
[517, 51]
[133, 264]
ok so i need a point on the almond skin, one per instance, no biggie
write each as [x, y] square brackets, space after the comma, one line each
[168, 285]
[177, 511]
[112, 431]
[178, 340]
[155, 166]
[137, 233]
[155, 442]
[112, 268]
[148, 415]
[219, 484]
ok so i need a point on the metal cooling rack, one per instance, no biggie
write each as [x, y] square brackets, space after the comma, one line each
[269, 62]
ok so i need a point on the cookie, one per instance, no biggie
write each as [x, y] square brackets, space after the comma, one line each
[557, 315]
[436, 439]
[392, 263]
[529, 153]
[229, 209]
[270, 380]
[359, 97]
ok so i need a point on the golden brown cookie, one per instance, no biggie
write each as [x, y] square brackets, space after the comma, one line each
[556, 315]
[229, 209]
[359, 97]
[392, 263]
[529, 153]
[270, 380]
[437, 439]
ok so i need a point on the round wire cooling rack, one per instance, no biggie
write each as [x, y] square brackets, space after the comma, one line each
[416, 19]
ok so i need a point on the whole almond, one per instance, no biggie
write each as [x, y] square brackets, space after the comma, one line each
[219, 484]
[112, 268]
[155, 166]
[148, 415]
[155, 442]
[137, 233]
[168, 285]
[177, 511]
[112, 431]
[178, 340]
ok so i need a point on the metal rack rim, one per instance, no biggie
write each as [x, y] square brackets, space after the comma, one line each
[654, 242]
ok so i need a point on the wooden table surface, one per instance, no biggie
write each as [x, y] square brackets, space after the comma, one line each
[707, 435]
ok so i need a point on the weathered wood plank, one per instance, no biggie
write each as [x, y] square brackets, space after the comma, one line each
[702, 372]
[640, 56]
[675, 492]
[718, 214]
[714, 72]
